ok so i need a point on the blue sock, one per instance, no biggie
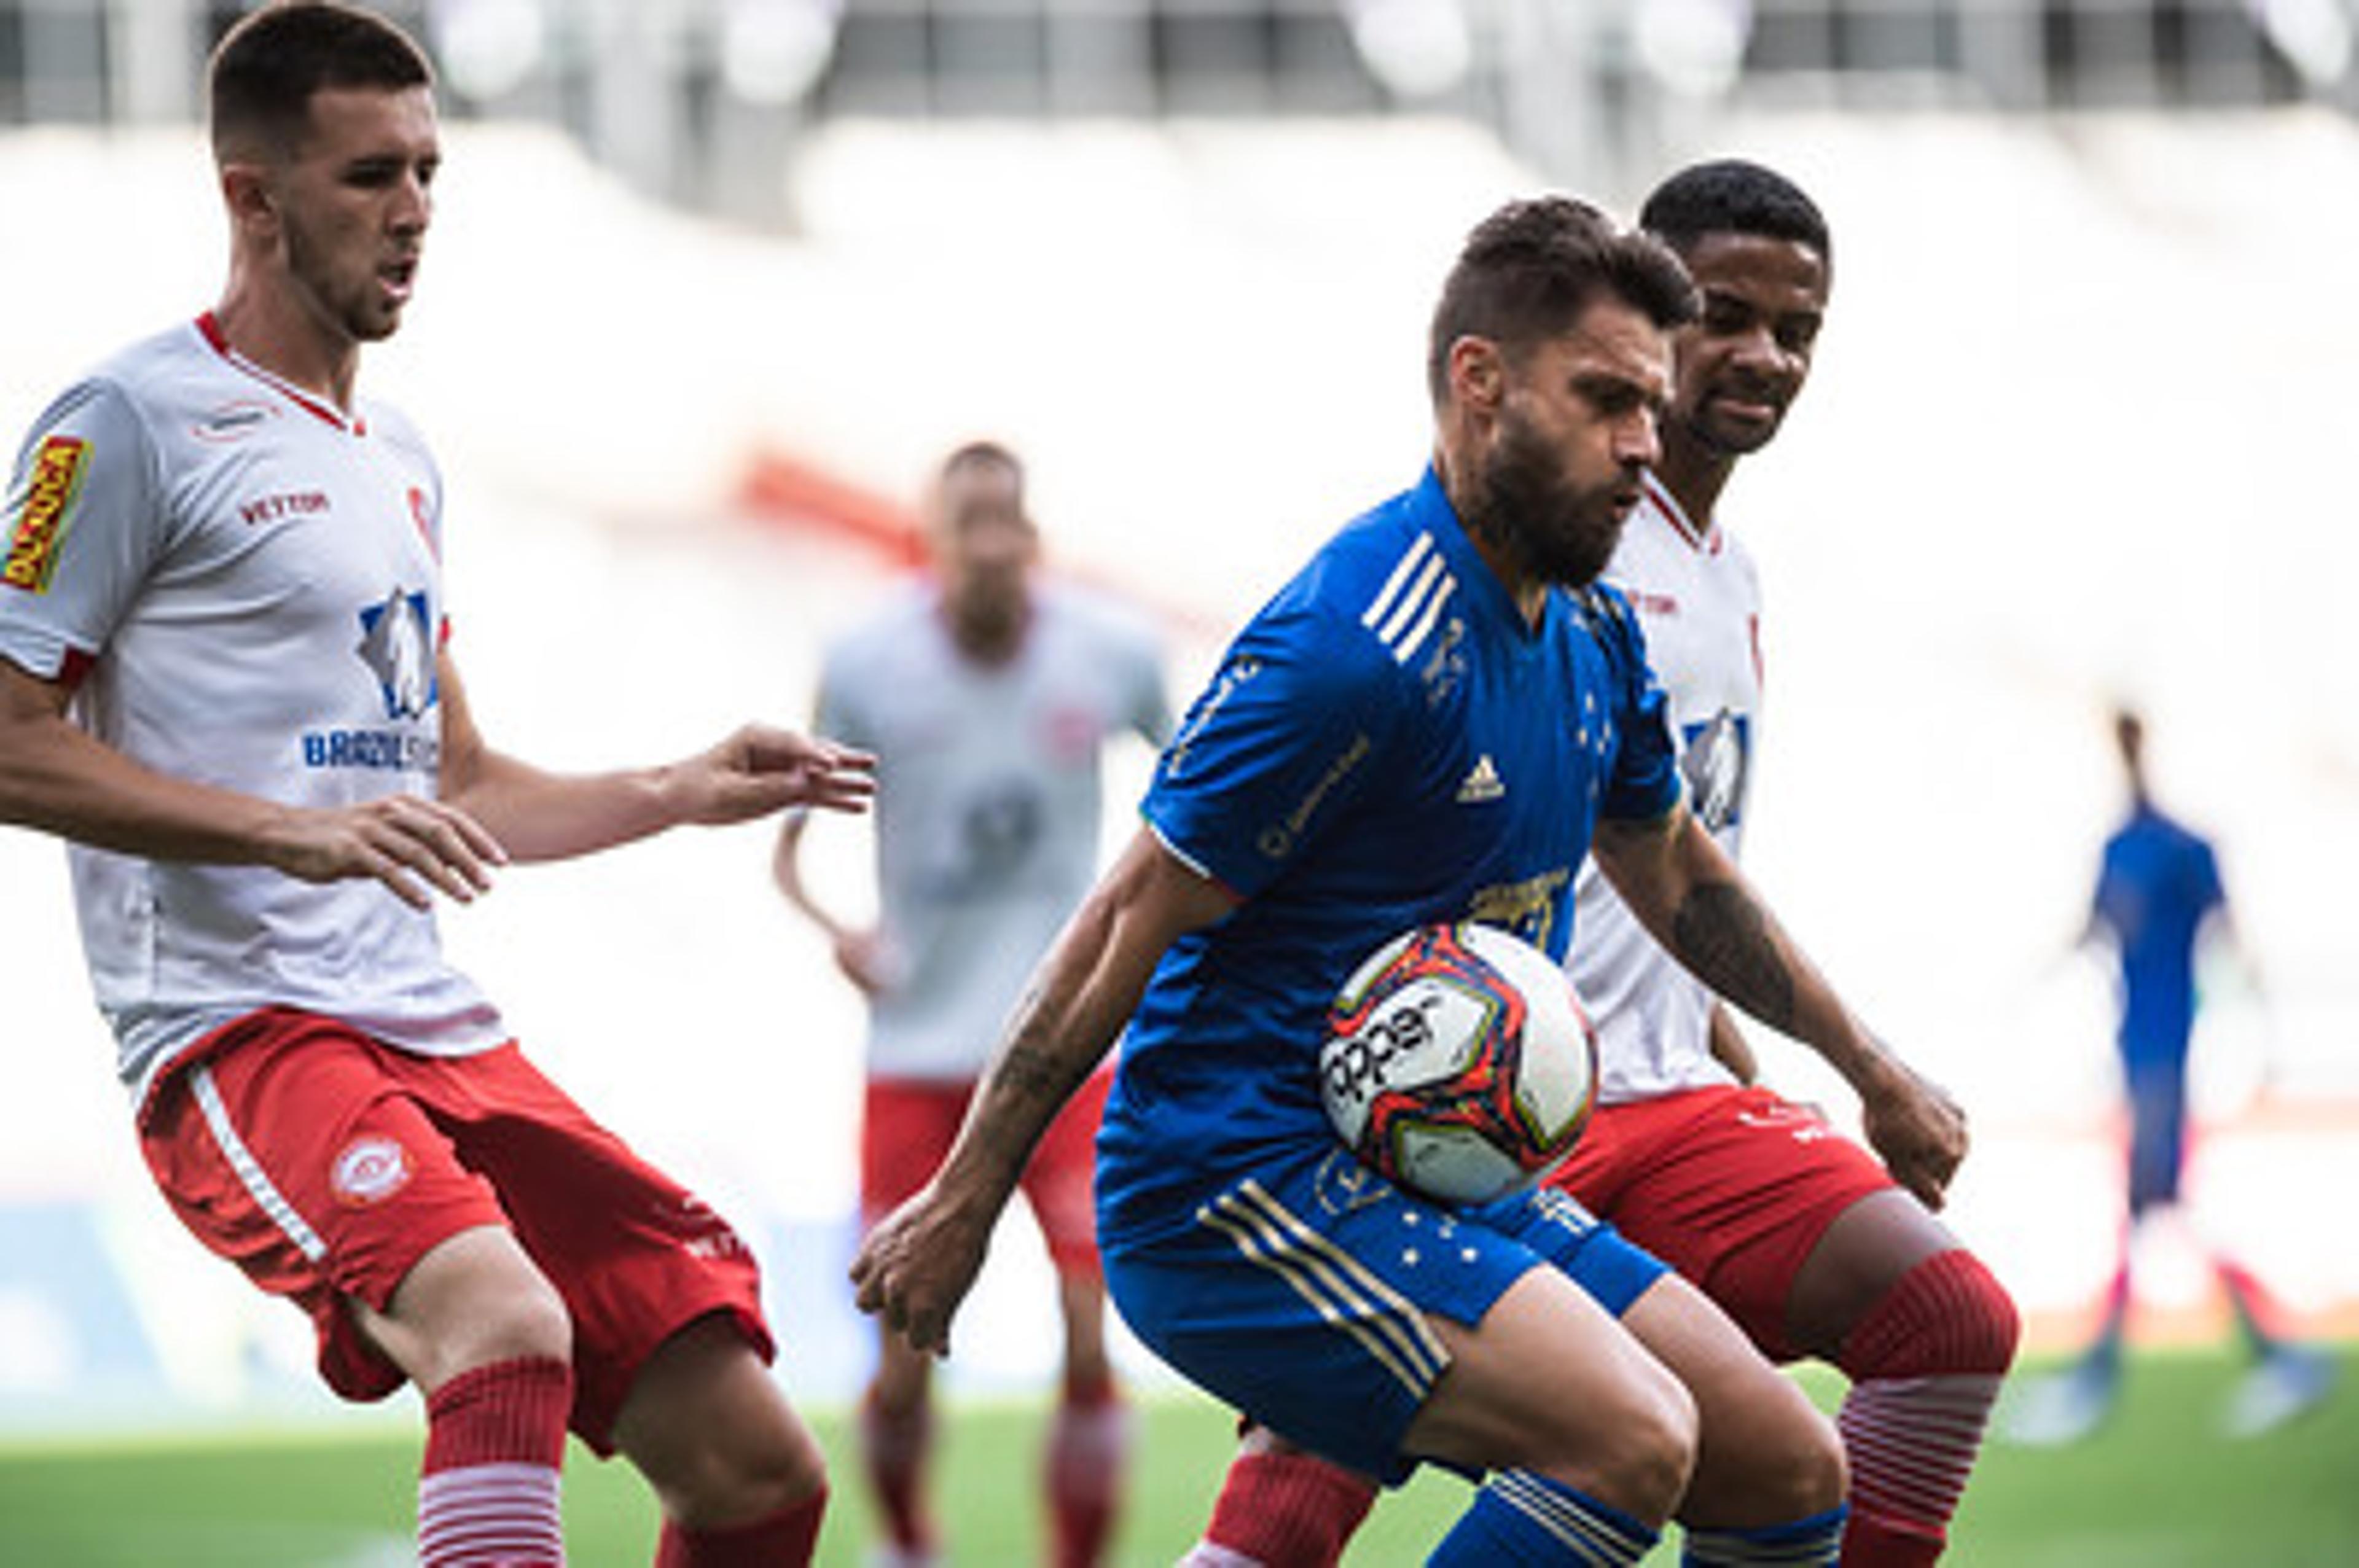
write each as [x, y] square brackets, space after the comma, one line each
[1812, 1543]
[1522, 1518]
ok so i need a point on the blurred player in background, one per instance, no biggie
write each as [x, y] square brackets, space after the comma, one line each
[225, 679]
[1435, 719]
[1809, 1244]
[2160, 898]
[987, 697]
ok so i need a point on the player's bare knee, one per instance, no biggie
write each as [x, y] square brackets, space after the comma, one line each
[1640, 1457]
[737, 1471]
[527, 1322]
[1810, 1474]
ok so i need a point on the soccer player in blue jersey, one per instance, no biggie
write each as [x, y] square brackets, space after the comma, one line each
[1435, 719]
[2158, 895]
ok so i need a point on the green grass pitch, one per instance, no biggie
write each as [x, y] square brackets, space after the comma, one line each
[2158, 1488]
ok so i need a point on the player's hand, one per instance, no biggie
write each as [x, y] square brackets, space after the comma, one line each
[1920, 1131]
[410, 843]
[869, 961]
[760, 768]
[915, 1268]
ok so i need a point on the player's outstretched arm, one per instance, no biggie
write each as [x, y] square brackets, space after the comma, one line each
[542, 815]
[1695, 901]
[56, 778]
[916, 1267]
[861, 953]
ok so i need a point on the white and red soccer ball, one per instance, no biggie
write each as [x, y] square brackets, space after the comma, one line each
[1458, 1063]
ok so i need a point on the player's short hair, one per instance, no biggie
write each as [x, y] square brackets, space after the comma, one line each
[970, 457]
[1528, 270]
[1731, 195]
[268, 66]
[982, 454]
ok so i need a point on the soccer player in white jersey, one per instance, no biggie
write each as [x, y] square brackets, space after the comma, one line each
[988, 694]
[1797, 1233]
[225, 680]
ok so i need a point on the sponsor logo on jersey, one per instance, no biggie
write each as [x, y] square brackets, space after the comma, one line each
[1714, 767]
[369, 1170]
[398, 644]
[1483, 782]
[41, 522]
[379, 751]
[1408, 608]
[232, 421]
[1278, 840]
[277, 508]
[1648, 602]
[1526, 909]
[1225, 685]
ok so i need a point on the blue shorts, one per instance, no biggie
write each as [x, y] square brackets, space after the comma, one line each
[1300, 1295]
[2157, 1153]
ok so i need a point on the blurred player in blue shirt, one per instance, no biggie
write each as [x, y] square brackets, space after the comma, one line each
[2159, 898]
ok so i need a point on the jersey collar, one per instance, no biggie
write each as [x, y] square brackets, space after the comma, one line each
[1707, 540]
[210, 326]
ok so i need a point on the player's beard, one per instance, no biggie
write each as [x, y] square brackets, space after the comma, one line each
[351, 308]
[1561, 532]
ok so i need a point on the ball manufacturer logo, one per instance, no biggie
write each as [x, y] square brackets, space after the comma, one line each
[369, 1171]
[1355, 1067]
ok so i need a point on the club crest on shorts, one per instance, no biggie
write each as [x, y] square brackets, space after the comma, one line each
[369, 1170]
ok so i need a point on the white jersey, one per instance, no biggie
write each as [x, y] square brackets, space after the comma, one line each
[988, 803]
[1700, 605]
[245, 586]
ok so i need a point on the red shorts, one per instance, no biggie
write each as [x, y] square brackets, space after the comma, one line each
[907, 1128]
[1731, 1186]
[325, 1164]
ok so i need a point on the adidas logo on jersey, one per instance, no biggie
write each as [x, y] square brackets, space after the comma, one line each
[1482, 783]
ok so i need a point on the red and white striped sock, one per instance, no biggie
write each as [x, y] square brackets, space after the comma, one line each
[487, 1494]
[1926, 1362]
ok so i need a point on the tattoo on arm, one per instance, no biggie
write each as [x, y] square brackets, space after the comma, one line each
[1721, 934]
[1031, 1073]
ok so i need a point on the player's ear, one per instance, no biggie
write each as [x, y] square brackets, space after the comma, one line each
[249, 195]
[1478, 373]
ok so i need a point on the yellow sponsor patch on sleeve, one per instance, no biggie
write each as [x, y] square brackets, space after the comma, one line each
[41, 522]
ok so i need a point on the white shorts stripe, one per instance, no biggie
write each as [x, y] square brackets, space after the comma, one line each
[250, 1174]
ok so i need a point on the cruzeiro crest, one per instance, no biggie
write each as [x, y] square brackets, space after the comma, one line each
[1715, 765]
[398, 644]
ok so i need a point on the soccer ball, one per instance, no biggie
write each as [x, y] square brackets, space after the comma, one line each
[1458, 1063]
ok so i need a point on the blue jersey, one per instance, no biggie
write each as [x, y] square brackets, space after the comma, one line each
[2158, 883]
[1389, 742]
